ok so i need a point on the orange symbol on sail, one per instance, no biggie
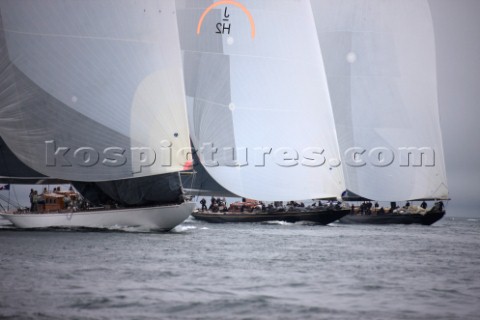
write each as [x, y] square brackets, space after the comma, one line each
[225, 2]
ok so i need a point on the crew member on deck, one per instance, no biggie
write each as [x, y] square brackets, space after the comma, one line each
[35, 200]
[440, 205]
[423, 205]
[203, 202]
[30, 196]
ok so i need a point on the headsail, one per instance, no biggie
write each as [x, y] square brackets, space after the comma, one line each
[381, 68]
[93, 91]
[257, 92]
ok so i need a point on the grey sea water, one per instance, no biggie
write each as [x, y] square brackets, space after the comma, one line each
[243, 271]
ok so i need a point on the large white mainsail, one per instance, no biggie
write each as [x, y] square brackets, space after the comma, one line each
[93, 90]
[381, 68]
[255, 81]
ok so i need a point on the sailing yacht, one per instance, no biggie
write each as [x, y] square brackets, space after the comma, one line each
[93, 94]
[258, 102]
[381, 68]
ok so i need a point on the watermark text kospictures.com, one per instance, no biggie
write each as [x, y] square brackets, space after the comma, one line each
[140, 157]
[112, 157]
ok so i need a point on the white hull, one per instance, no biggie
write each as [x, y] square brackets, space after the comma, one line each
[162, 218]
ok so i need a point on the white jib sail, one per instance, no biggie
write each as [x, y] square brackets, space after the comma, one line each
[381, 68]
[257, 92]
[93, 90]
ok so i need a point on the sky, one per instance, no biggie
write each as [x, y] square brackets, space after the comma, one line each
[457, 34]
[457, 30]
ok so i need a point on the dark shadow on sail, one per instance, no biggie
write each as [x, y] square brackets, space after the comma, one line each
[133, 192]
[201, 183]
[12, 170]
[348, 195]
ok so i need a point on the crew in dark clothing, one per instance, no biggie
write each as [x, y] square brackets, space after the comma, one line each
[440, 205]
[369, 206]
[31, 199]
[393, 206]
[212, 202]
[423, 205]
[203, 202]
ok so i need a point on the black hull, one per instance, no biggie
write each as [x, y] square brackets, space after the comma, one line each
[427, 219]
[322, 217]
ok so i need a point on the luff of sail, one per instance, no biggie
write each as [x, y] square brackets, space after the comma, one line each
[93, 91]
[381, 68]
[256, 91]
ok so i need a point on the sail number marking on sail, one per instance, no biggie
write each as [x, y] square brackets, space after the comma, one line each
[225, 26]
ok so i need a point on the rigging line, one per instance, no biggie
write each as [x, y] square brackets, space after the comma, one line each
[8, 201]
[194, 173]
[14, 193]
[55, 35]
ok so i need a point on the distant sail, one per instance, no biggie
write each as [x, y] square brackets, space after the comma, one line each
[381, 68]
[93, 91]
[255, 81]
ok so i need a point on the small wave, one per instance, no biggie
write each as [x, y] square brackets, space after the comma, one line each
[278, 222]
[91, 304]
[372, 287]
[473, 220]
[182, 228]
[190, 219]
[306, 223]
[128, 229]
